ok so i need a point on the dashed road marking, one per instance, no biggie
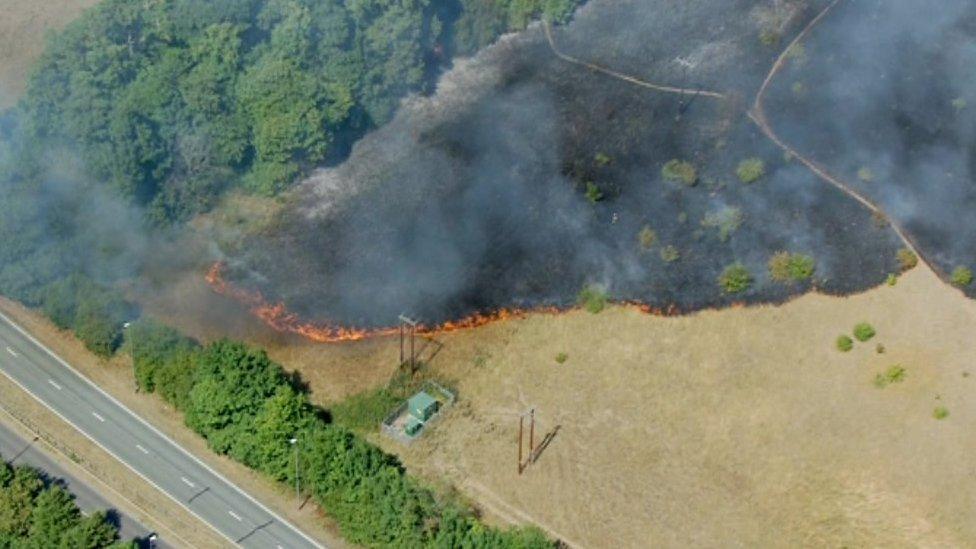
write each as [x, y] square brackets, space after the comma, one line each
[98, 417]
[12, 352]
[187, 482]
[141, 449]
[54, 384]
[235, 515]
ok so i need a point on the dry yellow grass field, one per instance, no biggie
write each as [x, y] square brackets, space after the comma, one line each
[743, 426]
[740, 427]
[23, 25]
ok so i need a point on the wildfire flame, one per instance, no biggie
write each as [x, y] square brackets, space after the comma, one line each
[279, 318]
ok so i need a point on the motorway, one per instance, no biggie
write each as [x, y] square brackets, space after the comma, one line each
[20, 451]
[141, 447]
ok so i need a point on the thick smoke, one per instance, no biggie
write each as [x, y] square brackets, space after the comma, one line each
[474, 199]
[891, 93]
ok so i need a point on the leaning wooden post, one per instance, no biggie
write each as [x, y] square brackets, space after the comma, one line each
[521, 421]
[532, 431]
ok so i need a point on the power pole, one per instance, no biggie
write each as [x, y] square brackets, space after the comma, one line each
[407, 323]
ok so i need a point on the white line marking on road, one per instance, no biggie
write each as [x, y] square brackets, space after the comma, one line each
[98, 417]
[187, 482]
[141, 449]
[235, 515]
[11, 351]
[53, 384]
[149, 426]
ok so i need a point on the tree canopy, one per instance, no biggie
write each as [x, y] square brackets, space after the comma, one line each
[171, 101]
[37, 513]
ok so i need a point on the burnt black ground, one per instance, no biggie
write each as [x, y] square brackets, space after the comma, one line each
[484, 207]
[889, 86]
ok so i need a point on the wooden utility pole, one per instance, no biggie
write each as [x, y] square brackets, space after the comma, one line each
[408, 324]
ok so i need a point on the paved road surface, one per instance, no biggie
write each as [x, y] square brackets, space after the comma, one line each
[141, 447]
[26, 452]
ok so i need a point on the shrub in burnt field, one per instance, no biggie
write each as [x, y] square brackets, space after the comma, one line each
[680, 171]
[962, 276]
[593, 298]
[907, 259]
[726, 221]
[670, 254]
[735, 279]
[751, 170]
[646, 238]
[790, 267]
[593, 192]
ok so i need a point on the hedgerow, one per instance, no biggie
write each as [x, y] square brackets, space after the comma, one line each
[248, 408]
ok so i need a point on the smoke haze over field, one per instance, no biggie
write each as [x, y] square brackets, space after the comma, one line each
[892, 94]
[475, 199]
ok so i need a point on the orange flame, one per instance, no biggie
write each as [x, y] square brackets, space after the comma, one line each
[279, 318]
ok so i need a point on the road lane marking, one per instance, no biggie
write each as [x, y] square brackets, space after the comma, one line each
[130, 414]
[98, 417]
[187, 482]
[141, 449]
[53, 384]
[235, 515]
[11, 351]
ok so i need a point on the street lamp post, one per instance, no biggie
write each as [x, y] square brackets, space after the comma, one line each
[298, 492]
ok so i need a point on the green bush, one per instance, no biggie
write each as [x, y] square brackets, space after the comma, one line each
[670, 254]
[95, 314]
[844, 343]
[907, 259]
[646, 238]
[892, 279]
[725, 221]
[735, 279]
[364, 411]
[940, 412]
[787, 267]
[593, 298]
[864, 332]
[750, 170]
[561, 358]
[894, 374]
[962, 276]
[593, 193]
[680, 171]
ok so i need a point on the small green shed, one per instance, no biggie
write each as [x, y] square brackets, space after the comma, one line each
[422, 406]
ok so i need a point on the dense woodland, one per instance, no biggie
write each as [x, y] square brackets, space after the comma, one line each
[35, 512]
[172, 101]
[168, 103]
[246, 407]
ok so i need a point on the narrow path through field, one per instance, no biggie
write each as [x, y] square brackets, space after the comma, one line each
[622, 76]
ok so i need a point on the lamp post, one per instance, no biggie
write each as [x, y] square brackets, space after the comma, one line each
[298, 492]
